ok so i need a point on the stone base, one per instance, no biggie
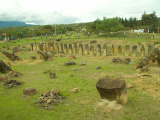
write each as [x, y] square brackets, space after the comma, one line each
[112, 89]
[29, 91]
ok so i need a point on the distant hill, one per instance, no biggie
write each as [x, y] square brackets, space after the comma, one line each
[13, 23]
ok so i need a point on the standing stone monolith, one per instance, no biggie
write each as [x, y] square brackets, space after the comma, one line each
[31, 46]
[61, 46]
[48, 46]
[105, 49]
[112, 89]
[112, 49]
[92, 50]
[57, 47]
[142, 51]
[134, 50]
[86, 49]
[150, 49]
[81, 48]
[70, 48]
[65, 48]
[98, 49]
[127, 50]
[75, 48]
[51, 46]
[44, 47]
[41, 46]
[34, 46]
[119, 50]
[38, 46]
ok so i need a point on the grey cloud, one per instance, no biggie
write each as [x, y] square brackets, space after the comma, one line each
[99, 9]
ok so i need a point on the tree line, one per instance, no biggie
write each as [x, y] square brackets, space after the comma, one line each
[33, 31]
[148, 21]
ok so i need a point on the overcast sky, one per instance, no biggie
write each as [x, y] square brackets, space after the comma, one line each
[45, 12]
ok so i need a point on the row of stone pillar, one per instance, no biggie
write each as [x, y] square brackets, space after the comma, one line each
[86, 49]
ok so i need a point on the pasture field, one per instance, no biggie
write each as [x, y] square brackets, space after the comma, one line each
[143, 99]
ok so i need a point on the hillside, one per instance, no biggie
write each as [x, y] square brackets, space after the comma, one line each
[13, 23]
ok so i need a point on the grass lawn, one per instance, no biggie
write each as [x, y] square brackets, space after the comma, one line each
[142, 104]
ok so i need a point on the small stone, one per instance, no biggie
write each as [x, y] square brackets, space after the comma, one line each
[10, 86]
[129, 86]
[52, 75]
[98, 67]
[71, 75]
[29, 91]
[131, 63]
[82, 63]
[72, 57]
[69, 63]
[49, 101]
[127, 59]
[75, 69]
[67, 104]
[32, 57]
[74, 90]
[44, 72]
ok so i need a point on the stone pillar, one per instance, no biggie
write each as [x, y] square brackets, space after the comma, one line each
[134, 50]
[119, 50]
[112, 49]
[31, 46]
[81, 48]
[86, 49]
[44, 47]
[51, 47]
[75, 48]
[62, 47]
[105, 49]
[48, 46]
[92, 50]
[38, 46]
[34, 46]
[142, 51]
[41, 46]
[150, 49]
[57, 47]
[127, 50]
[65, 48]
[70, 48]
[98, 49]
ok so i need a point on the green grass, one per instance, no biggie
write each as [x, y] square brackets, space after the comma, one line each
[78, 105]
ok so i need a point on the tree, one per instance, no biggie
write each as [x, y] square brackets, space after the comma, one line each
[111, 24]
[150, 20]
[10, 31]
[69, 29]
[49, 27]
